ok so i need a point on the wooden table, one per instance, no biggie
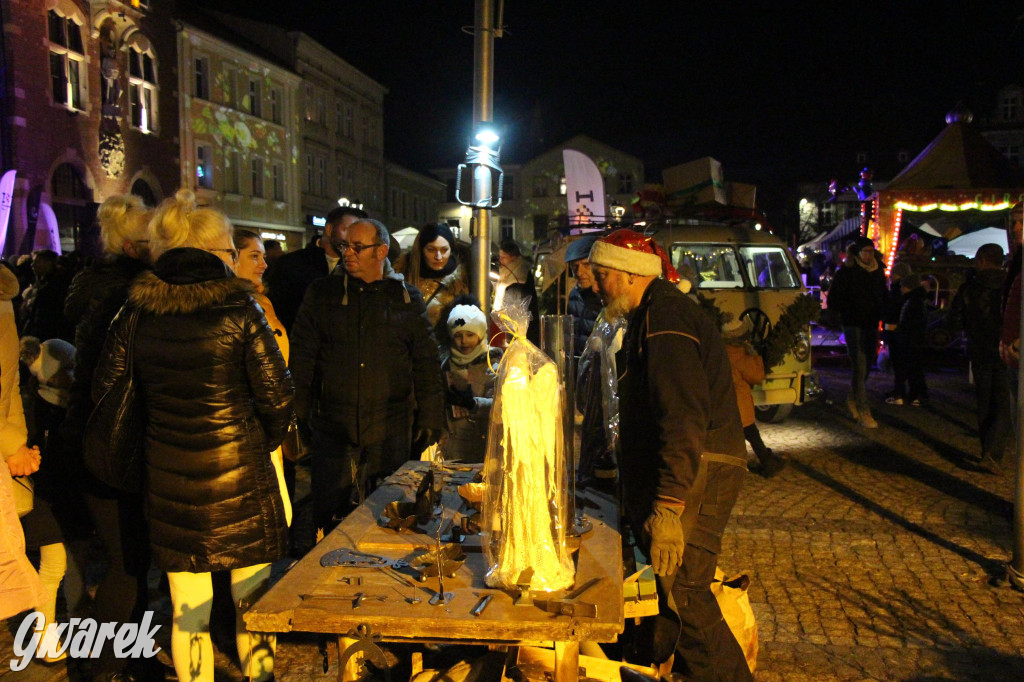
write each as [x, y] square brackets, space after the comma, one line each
[312, 598]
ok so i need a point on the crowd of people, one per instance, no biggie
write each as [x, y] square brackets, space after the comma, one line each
[366, 358]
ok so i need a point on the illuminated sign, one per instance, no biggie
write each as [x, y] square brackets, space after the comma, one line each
[318, 221]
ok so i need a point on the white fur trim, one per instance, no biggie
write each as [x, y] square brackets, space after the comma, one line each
[628, 260]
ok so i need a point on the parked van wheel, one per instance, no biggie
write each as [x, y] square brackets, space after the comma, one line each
[772, 414]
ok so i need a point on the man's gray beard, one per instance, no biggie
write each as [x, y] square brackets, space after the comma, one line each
[617, 308]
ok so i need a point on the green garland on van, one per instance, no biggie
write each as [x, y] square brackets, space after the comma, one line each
[793, 321]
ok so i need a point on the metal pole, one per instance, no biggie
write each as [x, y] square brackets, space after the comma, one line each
[557, 341]
[1015, 570]
[483, 111]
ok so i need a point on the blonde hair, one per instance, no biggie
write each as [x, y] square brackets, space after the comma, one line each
[122, 218]
[179, 222]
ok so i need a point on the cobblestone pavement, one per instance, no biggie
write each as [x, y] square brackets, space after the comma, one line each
[873, 556]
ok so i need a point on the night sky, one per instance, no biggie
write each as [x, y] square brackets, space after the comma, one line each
[778, 92]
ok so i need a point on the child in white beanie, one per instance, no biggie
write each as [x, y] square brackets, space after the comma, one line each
[469, 384]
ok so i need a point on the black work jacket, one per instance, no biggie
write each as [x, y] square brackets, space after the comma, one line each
[359, 352]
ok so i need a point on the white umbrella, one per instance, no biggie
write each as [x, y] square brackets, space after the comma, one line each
[968, 244]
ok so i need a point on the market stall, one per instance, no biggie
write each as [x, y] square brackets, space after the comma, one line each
[958, 172]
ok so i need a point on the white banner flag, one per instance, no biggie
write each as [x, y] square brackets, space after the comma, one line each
[47, 235]
[584, 189]
[6, 197]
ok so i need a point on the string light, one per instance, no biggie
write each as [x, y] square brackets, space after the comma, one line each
[967, 206]
[895, 240]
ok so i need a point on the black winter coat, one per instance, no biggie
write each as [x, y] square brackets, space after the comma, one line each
[218, 400]
[288, 279]
[913, 326]
[976, 309]
[676, 399]
[858, 295]
[95, 296]
[584, 306]
[359, 352]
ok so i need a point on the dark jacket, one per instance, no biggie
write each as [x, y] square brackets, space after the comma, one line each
[288, 279]
[913, 325]
[584, 306]
[218, 401]
[95, 296]
[676, 399]
[359, 352]
[43, 308]
[976, 310]
[858, 295]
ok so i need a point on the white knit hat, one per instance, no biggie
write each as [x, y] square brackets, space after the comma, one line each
[628, 251]
[467, 318]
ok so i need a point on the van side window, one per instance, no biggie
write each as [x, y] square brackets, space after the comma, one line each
[769, 267]
[716, 264]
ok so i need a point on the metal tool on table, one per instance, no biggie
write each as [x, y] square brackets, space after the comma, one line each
[366, 644]
[401, 516]
[441, 597]
[481, 605]
[568, 605]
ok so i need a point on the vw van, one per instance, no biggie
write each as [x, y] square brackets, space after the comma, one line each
[751, 274]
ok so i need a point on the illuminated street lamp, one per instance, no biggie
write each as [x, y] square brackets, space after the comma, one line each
[479, 181]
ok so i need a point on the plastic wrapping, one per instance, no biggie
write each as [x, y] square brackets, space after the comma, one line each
[597, 397]
[525, 502]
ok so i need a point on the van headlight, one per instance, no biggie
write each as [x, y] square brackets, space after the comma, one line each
[802, 347]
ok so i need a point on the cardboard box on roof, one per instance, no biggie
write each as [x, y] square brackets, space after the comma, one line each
[696, 182]
[742, 194]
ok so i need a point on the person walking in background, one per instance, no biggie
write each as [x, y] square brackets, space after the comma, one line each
[976, 309]
[858, 294]
[42, 304]
[217, 397]
[748, 370]
[890, 321]
[912, 335]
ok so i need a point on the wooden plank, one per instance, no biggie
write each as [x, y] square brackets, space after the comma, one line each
[311, 598]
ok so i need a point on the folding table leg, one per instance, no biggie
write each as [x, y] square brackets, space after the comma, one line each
[567, 661]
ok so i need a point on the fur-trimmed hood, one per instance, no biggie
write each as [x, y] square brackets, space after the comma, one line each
[186, 280]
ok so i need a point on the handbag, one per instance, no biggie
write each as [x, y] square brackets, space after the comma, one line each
[24, 494]
[113, 443]
[293, 447]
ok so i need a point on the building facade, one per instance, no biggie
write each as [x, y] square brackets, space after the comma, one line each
[238, 146]
[413, 199]
[89, 111]
[1004, 127]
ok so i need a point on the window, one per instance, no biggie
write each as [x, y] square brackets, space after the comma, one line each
[508, 187]
[349, 115]
[1012, 153]
[278, 176]
[309, 102]
[309, 174]
[321, 175]
[769, 267]
[862, 157]
[254, 98]
[67, 61]
[1011, 106]
[340, 175]
[339, 117]
[394, 202]
[405, 205]
[204, 166]
[275, 105]
[202, 82]
[717, 264]
[540, 228]
[562, 188]
[257, 177]
[232, 173]
[540, 186]
[321, 108]
[625, 183]
[142, 89]
[508, 228]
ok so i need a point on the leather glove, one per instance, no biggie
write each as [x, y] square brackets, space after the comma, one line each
[460, 398]
[423, 438]
[665, 529]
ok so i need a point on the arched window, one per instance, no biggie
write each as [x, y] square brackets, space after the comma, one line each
[141, 189]
[142, 86]
[72, 204]
[67, 60]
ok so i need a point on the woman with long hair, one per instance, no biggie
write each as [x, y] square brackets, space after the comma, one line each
[217, 397]
[433, 265]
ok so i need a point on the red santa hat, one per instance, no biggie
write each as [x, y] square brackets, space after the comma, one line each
[633, 252]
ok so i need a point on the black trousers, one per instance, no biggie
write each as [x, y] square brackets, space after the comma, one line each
[992, 391]
[690, 623]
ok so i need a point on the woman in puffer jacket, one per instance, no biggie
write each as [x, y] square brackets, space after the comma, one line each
[218, 401]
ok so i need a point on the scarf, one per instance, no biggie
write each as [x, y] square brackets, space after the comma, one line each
[463, 359]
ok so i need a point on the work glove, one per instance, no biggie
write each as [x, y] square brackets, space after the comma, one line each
[422, 439]
[460, 398]
[664, 527]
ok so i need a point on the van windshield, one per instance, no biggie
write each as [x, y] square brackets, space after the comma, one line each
[722, 266]
[769, 267]
[716, 264]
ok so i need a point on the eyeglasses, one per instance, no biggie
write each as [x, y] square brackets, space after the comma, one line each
[342, 247]
[233, 252]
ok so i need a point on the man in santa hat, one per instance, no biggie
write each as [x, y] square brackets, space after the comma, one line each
[683, 453]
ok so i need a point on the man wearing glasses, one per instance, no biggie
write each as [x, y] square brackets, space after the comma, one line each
[361, 348]
[293, 272]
